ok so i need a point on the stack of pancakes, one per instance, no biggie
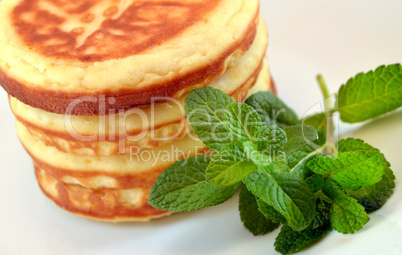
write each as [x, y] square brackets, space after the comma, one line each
[98, 87]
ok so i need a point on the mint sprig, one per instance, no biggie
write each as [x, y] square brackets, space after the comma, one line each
[292, 173]
[371, 94]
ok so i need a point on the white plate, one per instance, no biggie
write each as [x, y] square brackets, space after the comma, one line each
[337, 38]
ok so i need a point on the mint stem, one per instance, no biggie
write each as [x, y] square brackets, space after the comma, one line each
[324, 88]
[329, 143]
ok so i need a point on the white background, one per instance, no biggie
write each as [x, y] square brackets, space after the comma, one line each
[336, 38]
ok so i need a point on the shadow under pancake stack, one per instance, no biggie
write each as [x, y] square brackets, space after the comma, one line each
[98, 89]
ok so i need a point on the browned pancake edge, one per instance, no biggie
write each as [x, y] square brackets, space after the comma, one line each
[100, 204]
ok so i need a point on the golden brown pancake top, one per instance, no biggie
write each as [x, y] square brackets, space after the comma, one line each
[90, 30]
[53, 60]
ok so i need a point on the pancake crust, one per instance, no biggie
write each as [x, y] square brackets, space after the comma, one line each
[196, 52]
[90, 30]
[105, 204]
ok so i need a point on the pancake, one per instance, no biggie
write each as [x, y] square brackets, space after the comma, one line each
[147, 126]
[103, 204]
[55, 53]
[106, 196]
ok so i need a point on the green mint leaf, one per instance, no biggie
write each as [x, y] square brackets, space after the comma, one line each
[351, 170]
[319, 122]
[371, 94]
[273, 161]
[271, 107]
[352, 144]
[182, 187]
[205, 109]
[229, 166]
[269, 139]
[315, 182]
[270, 212]
[300, 148]
[346, 214]
[251, 217]
[287, 193]
[300, 142]
[375, 196]
[322, 216]
[242, 121]
[298, 137]
[290, 241]
[260, 159]
[301, 168]
[323, 197]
